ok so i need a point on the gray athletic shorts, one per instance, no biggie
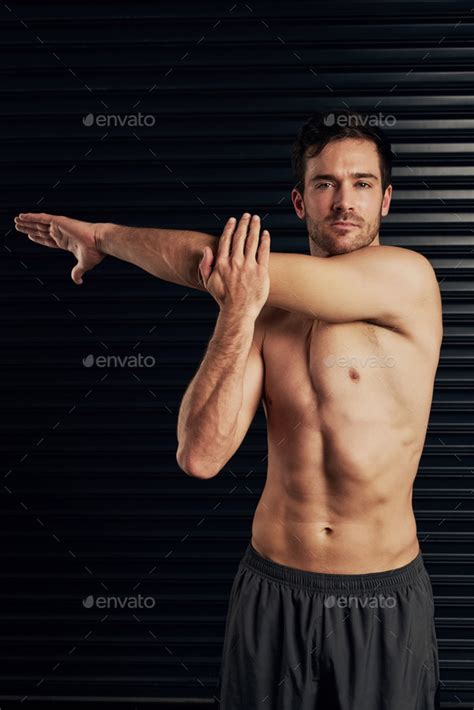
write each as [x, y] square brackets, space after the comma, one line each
[299, 640]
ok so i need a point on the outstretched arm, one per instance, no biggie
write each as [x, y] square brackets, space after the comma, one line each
[381, 283]
[169, 254]
[384, 284]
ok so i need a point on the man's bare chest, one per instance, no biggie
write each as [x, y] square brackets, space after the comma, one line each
[352, 365]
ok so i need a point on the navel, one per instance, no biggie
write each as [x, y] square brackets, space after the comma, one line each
[353, 374]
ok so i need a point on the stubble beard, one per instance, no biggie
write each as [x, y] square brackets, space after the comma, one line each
[327, 240]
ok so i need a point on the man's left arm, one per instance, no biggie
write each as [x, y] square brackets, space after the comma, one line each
[384, 284]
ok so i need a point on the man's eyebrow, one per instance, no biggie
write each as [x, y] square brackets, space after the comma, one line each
[328, 176]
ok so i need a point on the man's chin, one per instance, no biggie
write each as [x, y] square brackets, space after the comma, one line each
[341, 249]
[332, 244]
[343, 246]
[345, 243]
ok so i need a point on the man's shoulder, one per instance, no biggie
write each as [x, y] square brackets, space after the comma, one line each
[408, 271]
[404, 257]
[422, 272]
[426, 315]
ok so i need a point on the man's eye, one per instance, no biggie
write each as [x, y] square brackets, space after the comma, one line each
[361, 182]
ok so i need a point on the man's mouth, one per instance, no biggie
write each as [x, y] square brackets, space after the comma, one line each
[343, 224]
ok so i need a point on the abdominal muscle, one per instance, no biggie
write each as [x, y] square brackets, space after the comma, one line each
[333, 503]
[344, 445]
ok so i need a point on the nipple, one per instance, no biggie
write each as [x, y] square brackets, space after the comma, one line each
[353, 374]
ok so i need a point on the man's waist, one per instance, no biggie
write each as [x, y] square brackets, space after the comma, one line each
[352, 546]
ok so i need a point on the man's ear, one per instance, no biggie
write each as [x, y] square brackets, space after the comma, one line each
[298, 202]
[386, 201]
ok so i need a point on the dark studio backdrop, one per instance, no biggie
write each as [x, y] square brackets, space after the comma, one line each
[94, 509]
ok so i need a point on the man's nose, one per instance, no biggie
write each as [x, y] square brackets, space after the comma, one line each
[342, 201]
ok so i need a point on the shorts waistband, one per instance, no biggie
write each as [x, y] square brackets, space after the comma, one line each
[322, 581]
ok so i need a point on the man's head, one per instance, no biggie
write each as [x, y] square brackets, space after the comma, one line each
[343, 173]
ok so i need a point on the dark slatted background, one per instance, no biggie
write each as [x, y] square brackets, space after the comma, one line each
[93, 503]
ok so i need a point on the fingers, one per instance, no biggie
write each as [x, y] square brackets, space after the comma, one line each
[44, 241]
[32, 228]
[77, 273]
[263, 257]
[35, 217]
[223, 246]
[205, 265]
[240, 235]
[36, 231]
[251, 242]
[242, 240]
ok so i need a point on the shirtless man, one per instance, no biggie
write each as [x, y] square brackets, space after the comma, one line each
[332, 606]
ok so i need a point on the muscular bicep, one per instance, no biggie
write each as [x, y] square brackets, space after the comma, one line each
[380, 283]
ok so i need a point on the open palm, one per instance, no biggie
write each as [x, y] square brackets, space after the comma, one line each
[59, 232]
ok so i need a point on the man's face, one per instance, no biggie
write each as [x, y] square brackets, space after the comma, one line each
[343, 183]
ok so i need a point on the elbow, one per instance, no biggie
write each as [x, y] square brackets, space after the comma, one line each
[195, 468]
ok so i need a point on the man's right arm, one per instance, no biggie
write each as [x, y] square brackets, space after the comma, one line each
[222, 398]
[169, 254]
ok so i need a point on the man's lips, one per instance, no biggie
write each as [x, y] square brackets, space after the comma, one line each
[343, 224]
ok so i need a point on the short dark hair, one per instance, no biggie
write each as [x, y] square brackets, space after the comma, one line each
[322, 128]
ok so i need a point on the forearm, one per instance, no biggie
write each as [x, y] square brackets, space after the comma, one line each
[169, 254]
[209, 410]
[297, 282]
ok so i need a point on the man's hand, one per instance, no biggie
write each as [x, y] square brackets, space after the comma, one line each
[64, 233]
[239, 280]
